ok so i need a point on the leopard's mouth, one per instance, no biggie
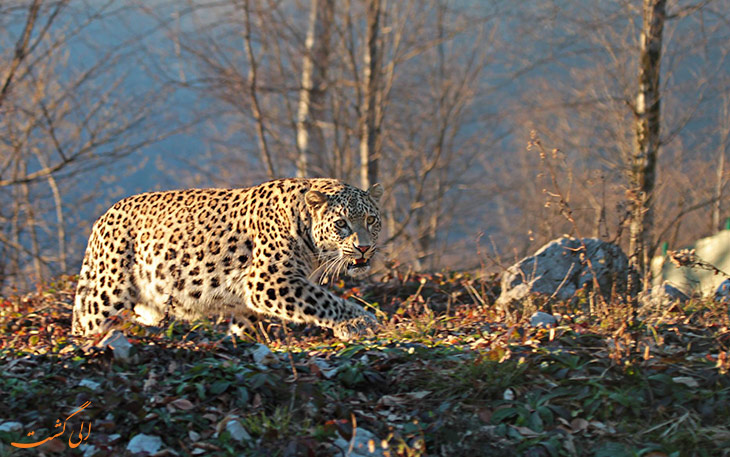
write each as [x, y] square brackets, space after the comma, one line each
[359, 263]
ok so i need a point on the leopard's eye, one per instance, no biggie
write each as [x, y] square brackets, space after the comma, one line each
[340, 223]
[370, 220]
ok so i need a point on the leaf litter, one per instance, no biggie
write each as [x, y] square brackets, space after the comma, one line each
[447, 374]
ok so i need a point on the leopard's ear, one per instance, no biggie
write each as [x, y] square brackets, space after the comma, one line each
[375, 192]
[315, 199]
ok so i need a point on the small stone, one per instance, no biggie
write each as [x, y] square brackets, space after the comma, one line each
[11, 427]
[365, 444]
[328, 371]
[263, 356]
[722, 294]
[90, 450]
[663, 295]
[543, 320]
[237, 431]
[119, 344]
[114, 438]
[144, 443]
[93, 385]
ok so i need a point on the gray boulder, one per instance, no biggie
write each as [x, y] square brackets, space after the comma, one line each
[722, 294]
[561, 268]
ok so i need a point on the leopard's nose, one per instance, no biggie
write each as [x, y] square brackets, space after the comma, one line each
[362, 249]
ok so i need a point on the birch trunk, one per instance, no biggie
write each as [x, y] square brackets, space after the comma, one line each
[720, 184]
[646, 146]
[369, 126]
[312, 94]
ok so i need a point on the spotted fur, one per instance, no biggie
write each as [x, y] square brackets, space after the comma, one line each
[239, 253]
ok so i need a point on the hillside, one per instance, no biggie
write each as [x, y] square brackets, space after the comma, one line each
[446, 375]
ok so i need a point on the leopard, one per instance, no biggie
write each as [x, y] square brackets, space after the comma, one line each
[239, 254]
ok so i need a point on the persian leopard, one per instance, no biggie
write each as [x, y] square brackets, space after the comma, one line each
[239, 253]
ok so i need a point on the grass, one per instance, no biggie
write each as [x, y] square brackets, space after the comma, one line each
[446, 375]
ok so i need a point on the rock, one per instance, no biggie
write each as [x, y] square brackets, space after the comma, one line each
[11, 427]
[118, 343]
[93, 385]
[144, 443]
[263, 356]
[544, 320]
[90, 450]
[560, 268]
[722, 294]
[328, 371]
[692, 280]
[237, 431]
[364, 441]
[664, 295]
[232, 424]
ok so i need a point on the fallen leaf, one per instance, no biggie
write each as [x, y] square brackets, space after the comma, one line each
[525, 431]
[183, 404]
[485, 415]
[686, 380]
[578, 425]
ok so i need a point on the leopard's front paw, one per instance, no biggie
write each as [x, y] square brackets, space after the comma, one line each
[363, 325]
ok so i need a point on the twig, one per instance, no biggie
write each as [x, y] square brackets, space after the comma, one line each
[688, 258]
[566, 211]
[252, 88]
[354, 434]
[562, 283]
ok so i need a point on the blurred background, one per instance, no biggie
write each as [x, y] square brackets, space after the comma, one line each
[435, 99]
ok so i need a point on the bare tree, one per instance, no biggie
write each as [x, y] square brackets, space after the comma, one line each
[58, 123]
[632, 173]
[253, 93]
[647, 110]
[331, 76]
[369, 130]
[312, 93]
[724, 132]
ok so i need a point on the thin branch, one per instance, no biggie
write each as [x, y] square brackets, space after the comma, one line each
[21, 48]
[255, 106]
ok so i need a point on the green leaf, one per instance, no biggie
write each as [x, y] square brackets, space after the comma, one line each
[613, 449]
[219, 387]
[242, 395]
[170, 330]
[505, 413]
[546, 414]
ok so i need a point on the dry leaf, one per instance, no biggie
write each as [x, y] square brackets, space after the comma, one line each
[578, 425]
[182, 403]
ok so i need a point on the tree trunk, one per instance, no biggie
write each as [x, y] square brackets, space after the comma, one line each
[717, 207]
[369, 126]
[720, 185]
[642, 173]
[312, 93]
[253, 93]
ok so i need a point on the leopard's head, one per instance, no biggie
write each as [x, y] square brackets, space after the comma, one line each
[345, 227]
